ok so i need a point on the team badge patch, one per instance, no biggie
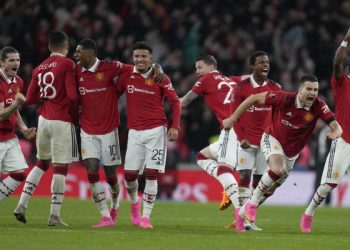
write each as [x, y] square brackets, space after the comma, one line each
[336, 174]
[276, 147]
[308, 117]
[149, 82]
[242, 160]
[99, 76]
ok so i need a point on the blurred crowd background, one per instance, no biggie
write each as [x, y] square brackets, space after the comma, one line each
[299, 36]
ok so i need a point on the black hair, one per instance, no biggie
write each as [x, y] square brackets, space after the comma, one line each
[7, 50]
[143, 46]
[208, 60]
[57, 39]
[308, 78]
[252, 58]
[89, 44]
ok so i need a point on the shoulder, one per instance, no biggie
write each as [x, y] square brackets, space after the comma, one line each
[274, 84]
[244, 84]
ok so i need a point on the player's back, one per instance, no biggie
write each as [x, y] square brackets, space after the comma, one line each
[216, 90]
[53, 82]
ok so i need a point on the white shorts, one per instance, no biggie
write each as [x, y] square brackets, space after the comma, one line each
[251, 159]
[103, 147]
[337, 162]
[270, 145]
[56, 140]
[146, 148]
[11, 156]
[225, 149]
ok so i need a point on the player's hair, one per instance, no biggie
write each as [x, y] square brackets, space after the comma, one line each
[308, 78]
[252, 58]
[143, 46]
[89, 44]
[57, 39]
[7, 50]
[208, 60]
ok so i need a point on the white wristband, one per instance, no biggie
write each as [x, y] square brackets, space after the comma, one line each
[344, 44]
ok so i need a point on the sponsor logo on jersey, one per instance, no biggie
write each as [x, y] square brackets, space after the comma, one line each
[132, 89]
[149, 82]
[99, 76]
[9, 101]
[308, 117]
[83, 90]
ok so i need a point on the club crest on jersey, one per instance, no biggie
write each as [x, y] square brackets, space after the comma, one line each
[308, 117]
[149, 82]
[242, 160]
[99, 76]
[276, 147]
[336, 174]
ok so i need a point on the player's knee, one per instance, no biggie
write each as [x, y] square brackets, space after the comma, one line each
[223, 169]
[151, 174]
[18, 176]
[60, 169]
[43, 165]
[200, 157]
[112, 180]
[93, 177]
[130, 176]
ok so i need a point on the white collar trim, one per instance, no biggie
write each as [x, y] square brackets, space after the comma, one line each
[144, 75]
[255, 84]
[298, 104]
[8, 80]
[93, 67]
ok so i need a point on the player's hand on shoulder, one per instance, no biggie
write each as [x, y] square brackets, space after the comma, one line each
[173, 134]
[20, 99]
[245, 144]
[29, 133]
[157, 72]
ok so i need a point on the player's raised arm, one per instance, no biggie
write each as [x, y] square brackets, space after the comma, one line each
[338, 69]
[258, 99]
[188, 98]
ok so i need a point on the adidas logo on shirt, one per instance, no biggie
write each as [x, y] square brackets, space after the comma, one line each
[81, 79]
[289, 114]
[132, 77]
[10, 91]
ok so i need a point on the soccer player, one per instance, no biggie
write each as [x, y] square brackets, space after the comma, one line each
[338, 159]
[147, 124]
[99, 121]
[11, 99]
[251, 125]
[53, 86]
[216, 90]
[294, 117]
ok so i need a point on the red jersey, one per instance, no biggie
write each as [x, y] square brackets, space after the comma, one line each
[145, 100]
[341, 94]
[8, 90]
[98, 99]
[252, 124]
[53, 82]
[216, 90]
[292, 125]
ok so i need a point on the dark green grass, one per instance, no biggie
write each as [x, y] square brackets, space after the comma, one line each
[176, 226]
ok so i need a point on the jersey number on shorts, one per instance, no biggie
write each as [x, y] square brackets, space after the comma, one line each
[158, 155]
[229, 92]
[47, 90]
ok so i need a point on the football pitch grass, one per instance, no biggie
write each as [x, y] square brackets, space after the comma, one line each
[176, 226]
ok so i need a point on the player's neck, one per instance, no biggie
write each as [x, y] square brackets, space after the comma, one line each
[7, 75]
[259, 80]
[91, 63]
